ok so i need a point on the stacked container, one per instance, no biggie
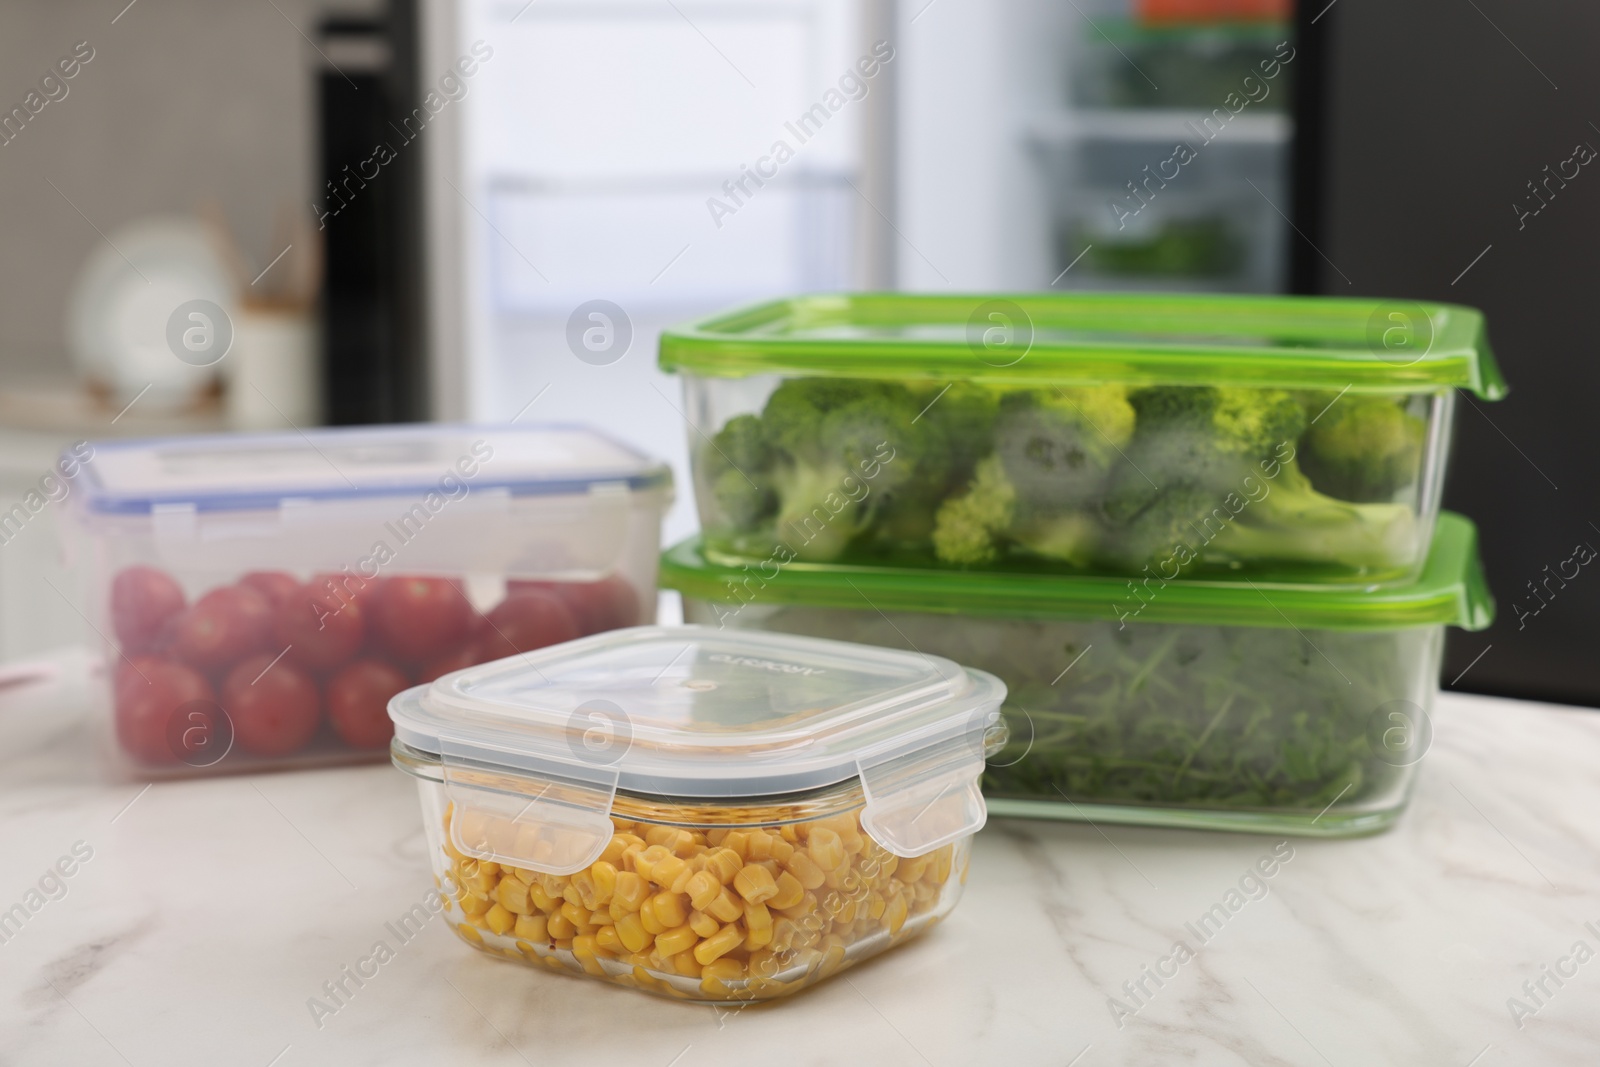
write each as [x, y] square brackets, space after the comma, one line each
[262, 597]
[1198, 537]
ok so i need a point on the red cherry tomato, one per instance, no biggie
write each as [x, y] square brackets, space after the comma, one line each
[275, 707]
[609, 604]
[276, 586]
[343, 587]
[223, 627]
[148, 692]
[525, 621]
[358, 702]
[320, 630]
[143, 601]
[461, 657]
[416, 617]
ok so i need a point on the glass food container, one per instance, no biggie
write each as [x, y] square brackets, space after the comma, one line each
[1275, 709]
[718, 817]
[1296, 439]
[261, 597]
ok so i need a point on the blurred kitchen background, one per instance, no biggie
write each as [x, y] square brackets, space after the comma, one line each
[270, 214]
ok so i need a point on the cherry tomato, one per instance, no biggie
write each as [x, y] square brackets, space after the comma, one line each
[467, 654]
[358, 702]
[148, 692]
[609, 604]
[275, 707]
[276, 586]
[320, 630]
[223, 627]
[143, 601]
[525, 621]
[342, 587]
[416, 617]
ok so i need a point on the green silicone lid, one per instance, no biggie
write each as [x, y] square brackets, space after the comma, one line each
[1088, 338]
[1450, 590]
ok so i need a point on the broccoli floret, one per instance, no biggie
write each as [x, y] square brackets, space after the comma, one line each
[1364, 449]
[969, 527]
[737, 466]
[1213, 469]
[826, 434]
[1059, 445]
[992, 517]
[956, 426]
[1294, 523]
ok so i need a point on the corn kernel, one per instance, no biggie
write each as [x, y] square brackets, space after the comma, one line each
[652, 925]
[532, 928]
[738, 842]
[702, 889]
[607, 938]
[725, 969]
[632, 890]
[561, 928]
[513, 896]
[826, 850]
[664, 872]
[676, 940]
[635, 938]
[725, 908]
[469, 934]
[805, 870]
[686, 964]
[755, 884]
[894, 914]
[758, 927]
[789, 891]
[473, 905]
[719, 944]
[703, 924]
[781, 849]
[499, 919]
[758, 845]
[670, 909]
[724, 863]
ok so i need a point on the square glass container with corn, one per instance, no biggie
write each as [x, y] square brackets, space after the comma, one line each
[715, 817]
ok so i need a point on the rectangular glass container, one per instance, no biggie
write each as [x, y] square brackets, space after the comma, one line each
[260, 597]
[1288, 438]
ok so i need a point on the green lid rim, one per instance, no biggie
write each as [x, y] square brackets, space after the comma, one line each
[740, 342]
[1451, 590]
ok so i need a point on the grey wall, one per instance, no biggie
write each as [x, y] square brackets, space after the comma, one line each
[1438, 121]
[185, 100]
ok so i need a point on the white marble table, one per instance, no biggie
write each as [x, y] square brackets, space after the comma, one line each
[210, 911]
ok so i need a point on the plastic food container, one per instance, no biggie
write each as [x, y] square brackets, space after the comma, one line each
[719, 817]
[262, 597]
[1190, 704]
[1299, 439]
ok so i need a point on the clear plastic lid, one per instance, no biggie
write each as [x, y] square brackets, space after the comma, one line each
[536, 746]
[243, 471]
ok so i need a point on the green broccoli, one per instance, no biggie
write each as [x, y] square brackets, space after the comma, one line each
[956, 424]
[970, 527]
[1364, 449]
[1058, 445]
[1213, 470]
[1054, 450]
[801, 470]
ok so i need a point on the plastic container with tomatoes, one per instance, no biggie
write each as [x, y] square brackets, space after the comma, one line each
[261, 598]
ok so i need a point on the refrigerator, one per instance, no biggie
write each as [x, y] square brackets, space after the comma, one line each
[595, 171]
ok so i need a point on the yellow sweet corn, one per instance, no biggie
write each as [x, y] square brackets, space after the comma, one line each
[729, 908]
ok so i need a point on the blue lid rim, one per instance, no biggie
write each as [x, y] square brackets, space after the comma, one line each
[99, 500]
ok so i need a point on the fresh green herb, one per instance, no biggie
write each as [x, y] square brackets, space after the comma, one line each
[1202, 717]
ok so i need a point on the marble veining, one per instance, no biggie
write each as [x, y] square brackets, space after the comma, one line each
[212, 912]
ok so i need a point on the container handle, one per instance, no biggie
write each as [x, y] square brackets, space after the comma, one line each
[925, 800]
[550, 822]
